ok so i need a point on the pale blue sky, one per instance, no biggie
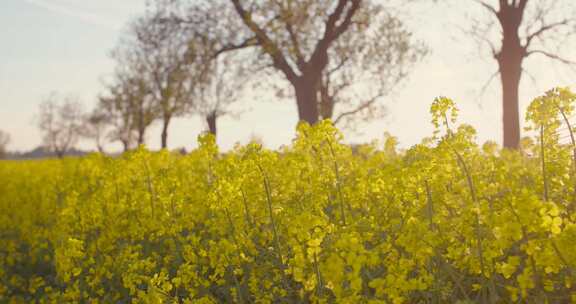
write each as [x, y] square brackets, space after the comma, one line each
[63, 45]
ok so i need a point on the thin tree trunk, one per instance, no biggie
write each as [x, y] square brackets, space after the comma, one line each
[165, 124]
[141, 136]
[307, 100]
[141, 126]
[125, 144]
[211, 120]
[99, 142]
[60, 152]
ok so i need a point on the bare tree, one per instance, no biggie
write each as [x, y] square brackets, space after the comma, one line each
[219, 82]
[219, 88]
[133, 85]
[164, 56]
[144, 110]
[526, 28]
[60, 121]
[120, 115]
[218, 66]
[95, 127]
[4, 141]
[133, 90]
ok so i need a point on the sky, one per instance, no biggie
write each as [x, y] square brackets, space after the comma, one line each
[64, 45]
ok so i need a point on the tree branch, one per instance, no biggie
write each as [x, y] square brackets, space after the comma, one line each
[338, 66]
[551, 56]
[332, 31]
[532, 78]
[487, 6]
[268, 45]
[361, 107]
[522, 5]
[300, 61]
[488, 82]
[285, 15]
[249, 42]
[347, 20]
[544, 29]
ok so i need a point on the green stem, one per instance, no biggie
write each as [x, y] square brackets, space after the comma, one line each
[477, 204]
[543, 163]
[318, 276]
[271, 214]
[573, 141]
[237, 244]
[150, 189]
[249, 221]
[429, 205]
[338, 187]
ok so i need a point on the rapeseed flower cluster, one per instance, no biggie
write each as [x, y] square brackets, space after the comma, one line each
[315, 222]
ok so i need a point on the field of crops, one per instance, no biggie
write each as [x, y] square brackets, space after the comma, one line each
[317, 222]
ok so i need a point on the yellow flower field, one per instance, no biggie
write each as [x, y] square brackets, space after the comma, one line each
[447, 221]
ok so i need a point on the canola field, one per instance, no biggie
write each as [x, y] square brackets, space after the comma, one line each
[446, 221]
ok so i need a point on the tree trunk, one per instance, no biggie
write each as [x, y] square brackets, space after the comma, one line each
[211, 120]
[141, 136]
[141, 126]
[125, 145]
[307, 100]
[165, 124]
[510, 66]
[510, 76]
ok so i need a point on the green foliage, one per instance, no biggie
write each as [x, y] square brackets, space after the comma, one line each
[445, 222]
